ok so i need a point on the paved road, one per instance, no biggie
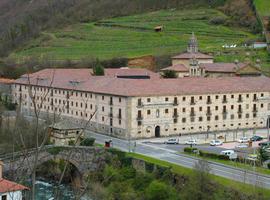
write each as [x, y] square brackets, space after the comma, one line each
[172, 156]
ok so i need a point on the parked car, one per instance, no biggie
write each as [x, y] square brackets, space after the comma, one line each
[241, 146]
[264, 144]
[172, 141]
[191, 142]
[256, 138]
[216, 143]
[227, 152]
[243, 140]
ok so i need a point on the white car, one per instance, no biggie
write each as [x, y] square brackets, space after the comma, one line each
[227, 152]
[172, 141]
[243, 140]
[216, 143]
[191, 142]
[241, 146]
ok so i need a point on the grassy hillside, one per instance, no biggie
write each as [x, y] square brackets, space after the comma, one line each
[134, 36]
[21, 20]
[263, 6]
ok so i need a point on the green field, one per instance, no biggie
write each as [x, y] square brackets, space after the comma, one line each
[134, 36]
[263, 6]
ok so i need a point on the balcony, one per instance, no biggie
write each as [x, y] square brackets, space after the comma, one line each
[139, 118]
[224, 101]
[240, 111]
[175, 115]
[139, 105]
[175, 103]
[209, 102]
[110, 115]
[192, 114]
[240, 100]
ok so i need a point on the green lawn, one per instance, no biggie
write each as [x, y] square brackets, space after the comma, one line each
[245, 188]
[133, 36]
[236, 164]
[263, 6]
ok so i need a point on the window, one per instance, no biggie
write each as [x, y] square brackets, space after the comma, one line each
[232, 116]
[166, 99]
[119, 121]
[247, 106]
[120, 99]
[247, 95]
[157, 113]
[262, 94]
[166, 111]
[232, 107]
[208, 118]
[216, 117]
[184, 98]
[216, 96]
[184, 109]
[262, 105]
[139, 123]
[103, 119]
[184, 120]
[200, 119]
[232, 96]
[148, 112]
[216, 107]
[102, 108]
[4, 197]
[200, 108]
[102, 97]
[200, 97]
[148, 100]
[247, 115]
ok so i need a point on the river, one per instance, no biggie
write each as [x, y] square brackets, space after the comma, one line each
[46, 191]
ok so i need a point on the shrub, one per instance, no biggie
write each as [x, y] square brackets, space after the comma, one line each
[217, 20]
[88, 142]
[190, 150]
[149, 167]
[268, 165]
[213, 155]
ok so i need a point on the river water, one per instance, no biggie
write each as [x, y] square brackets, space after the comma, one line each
[46, 191]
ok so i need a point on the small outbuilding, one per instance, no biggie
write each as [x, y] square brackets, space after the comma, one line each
[10, 190]
[158, 28]
[65, 133]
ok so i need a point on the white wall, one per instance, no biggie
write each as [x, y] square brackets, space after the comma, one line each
[17, 195]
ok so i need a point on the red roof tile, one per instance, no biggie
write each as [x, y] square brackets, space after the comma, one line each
[222, 67]
[9, 186]
[6, 80]
[177, 68]
[192, 55]
[146, 87]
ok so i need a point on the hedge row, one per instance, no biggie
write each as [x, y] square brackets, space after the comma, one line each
[213, 155]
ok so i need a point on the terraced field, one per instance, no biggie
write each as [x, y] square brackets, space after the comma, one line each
[263, 6]
[134, 36]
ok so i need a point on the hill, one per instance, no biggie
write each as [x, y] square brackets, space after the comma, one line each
[134, 36]
[21, 20]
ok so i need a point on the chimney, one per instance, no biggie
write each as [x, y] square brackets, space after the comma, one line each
[1, 169]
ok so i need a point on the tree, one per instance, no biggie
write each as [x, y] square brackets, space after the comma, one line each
[268, 25]
[98, 69]
[200, 185]
[160, 190]
[169, 74]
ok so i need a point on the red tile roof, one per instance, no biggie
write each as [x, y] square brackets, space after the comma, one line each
[6, 80]
[68, 79]
[222, 67]
[192, 55]
[177, 68]
[9, 186]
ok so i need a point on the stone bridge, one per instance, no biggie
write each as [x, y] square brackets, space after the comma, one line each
[85, 159]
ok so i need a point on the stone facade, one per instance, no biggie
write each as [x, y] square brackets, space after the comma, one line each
[174, 115]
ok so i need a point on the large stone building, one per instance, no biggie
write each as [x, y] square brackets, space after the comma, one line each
[135, 106]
